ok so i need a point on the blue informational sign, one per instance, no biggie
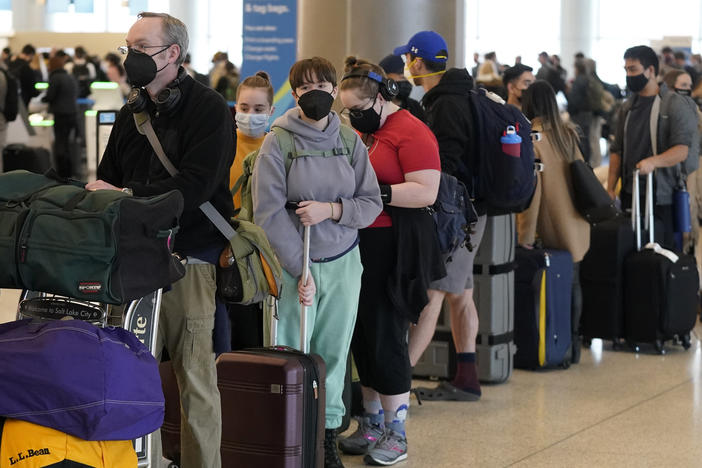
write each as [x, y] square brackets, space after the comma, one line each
[270, 44]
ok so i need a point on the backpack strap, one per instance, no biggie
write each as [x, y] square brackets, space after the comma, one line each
[247, 170]
[348, 137]
[286, 143]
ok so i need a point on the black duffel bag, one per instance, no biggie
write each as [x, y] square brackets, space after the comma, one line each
[103, 245]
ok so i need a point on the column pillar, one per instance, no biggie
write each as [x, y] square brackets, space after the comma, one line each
[371, 29]
[578, 28]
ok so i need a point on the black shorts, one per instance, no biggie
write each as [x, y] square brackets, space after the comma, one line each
[379, 342]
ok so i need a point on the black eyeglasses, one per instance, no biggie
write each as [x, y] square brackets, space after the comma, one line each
[357, 113]
[124, 50]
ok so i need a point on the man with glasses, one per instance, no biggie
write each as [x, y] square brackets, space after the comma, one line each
[195, 128]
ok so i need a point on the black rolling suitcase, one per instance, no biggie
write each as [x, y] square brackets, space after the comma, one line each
[542, 313]
[19, 156]
[660, 289]
[602, 278]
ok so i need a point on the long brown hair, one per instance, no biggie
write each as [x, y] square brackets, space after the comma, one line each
[539, 100]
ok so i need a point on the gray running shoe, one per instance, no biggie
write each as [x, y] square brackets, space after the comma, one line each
[390, 449]
[364, 439]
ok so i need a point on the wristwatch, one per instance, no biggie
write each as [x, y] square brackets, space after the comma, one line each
[128, 191]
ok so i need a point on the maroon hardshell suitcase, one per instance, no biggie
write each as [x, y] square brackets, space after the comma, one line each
[272, 408]
[274, 400]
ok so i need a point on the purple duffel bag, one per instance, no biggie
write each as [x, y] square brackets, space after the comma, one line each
[93, 383]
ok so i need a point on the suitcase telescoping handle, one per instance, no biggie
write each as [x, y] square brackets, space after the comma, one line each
[636, 208]
[272, 302]
[305, 276]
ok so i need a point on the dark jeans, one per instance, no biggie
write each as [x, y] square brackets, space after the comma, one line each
[63, 125]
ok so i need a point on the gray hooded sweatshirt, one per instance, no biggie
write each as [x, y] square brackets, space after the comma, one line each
[323, 179]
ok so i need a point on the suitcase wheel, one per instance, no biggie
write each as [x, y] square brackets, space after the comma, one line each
[660, 347]
[565, 364]
[587, 342]
[634, 346]
[685, 341]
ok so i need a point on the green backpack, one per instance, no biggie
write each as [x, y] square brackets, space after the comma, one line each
[287, 147]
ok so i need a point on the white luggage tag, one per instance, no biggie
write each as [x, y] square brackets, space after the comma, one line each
[661, 251]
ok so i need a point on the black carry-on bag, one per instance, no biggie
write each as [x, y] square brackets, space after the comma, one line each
[660, 287]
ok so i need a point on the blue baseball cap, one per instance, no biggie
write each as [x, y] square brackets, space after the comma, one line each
[426, 44]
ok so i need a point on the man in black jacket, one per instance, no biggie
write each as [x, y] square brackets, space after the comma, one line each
[449, 116]
[21, 70]
[196, 131]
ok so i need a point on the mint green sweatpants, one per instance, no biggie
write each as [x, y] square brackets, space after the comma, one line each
[330, 321]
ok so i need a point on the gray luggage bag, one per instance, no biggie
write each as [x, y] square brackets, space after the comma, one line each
[493, 293]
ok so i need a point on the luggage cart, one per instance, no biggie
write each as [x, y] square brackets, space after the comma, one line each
[141, 318]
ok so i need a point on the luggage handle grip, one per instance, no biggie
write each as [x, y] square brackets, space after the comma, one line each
[636, 208]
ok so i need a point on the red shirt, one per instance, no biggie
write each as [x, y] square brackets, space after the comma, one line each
[403, 144]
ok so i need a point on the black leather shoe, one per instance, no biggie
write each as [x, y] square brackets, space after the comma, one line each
[331, 455]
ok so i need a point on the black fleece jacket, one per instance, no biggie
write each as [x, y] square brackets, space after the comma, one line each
[198, 137]
[449, 116]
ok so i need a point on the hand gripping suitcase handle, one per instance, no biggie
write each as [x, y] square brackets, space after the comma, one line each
[636, 208]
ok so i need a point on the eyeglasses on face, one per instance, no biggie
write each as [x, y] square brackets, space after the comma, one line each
[124, 50]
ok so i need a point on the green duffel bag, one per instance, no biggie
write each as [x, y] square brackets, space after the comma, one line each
[103, 245]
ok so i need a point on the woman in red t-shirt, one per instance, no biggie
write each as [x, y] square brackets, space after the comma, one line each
[405, 156]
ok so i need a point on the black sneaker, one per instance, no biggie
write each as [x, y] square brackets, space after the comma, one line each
[331, 455]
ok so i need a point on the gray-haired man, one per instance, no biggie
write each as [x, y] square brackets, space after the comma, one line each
[196, 131]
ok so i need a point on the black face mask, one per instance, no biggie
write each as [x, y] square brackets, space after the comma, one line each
[316, 104]
[404, 88]
[141, 68]
[636, 83]
[368, 121]
[684, 92]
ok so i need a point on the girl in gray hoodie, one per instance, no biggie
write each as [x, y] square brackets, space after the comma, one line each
[333, 183]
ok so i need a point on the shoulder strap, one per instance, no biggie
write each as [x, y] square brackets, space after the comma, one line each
[653, 123]
[286, 143]
[143, 123]
[348, 137]
[246, 173]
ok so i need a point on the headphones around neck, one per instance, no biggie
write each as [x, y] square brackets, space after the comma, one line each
[386, 87]
[166, 100]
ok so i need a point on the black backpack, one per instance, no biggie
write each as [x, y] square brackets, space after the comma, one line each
[453, 214]
[503, 183]
[11, 106]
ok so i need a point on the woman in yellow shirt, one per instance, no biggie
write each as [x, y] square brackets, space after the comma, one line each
[254, 106]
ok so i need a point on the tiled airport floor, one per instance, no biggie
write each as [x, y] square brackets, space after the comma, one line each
[615, 408]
